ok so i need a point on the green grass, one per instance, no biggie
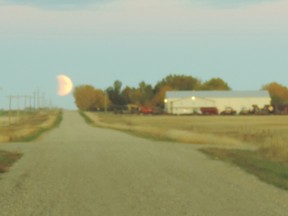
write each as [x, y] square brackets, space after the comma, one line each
[7, 159]
[267, 170]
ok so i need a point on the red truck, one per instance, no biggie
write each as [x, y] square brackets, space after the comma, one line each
[209, 110]
[145, 110]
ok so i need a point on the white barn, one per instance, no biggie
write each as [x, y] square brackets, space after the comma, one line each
[188, 102]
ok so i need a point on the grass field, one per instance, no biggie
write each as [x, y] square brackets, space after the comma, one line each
[258, 144]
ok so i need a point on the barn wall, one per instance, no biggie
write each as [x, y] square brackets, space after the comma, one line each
[187, 106]
[239, 103]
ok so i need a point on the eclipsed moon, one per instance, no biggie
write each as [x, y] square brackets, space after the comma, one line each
[65, 85]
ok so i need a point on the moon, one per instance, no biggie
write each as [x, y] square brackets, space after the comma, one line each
[65, 85]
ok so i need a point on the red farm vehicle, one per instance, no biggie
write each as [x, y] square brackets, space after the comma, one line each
[209, 110]
[145, 110]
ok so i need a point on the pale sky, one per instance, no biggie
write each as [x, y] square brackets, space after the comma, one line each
[244, 42]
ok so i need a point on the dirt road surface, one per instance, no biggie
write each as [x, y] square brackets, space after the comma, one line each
[80, 170]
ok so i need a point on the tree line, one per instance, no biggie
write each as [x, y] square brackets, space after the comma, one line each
[89, 98]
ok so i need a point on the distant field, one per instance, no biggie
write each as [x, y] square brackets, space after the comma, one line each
[269, 133]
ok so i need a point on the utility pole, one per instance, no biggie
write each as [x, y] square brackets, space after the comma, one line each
[10, 103]
[43, 100]
[30, 103]
[38, 98]
[27, 103]
[105, 99]
[1, 90]
[18, 107]
[10, 107]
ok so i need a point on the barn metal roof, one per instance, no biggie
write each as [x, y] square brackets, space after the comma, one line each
[218, 94]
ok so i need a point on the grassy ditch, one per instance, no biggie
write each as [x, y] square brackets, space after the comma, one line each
[266, 169]
[55, 123]
[7, 159]
[30, 127]
[26, 129]
[86, 118]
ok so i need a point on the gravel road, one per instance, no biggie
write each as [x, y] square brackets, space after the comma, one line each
[80, 170]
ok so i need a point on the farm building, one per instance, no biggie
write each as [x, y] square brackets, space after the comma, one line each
[188, 102]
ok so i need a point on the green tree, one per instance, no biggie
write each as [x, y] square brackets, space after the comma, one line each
[132, 95]
[215, 84]
[127, 93]
[102, 101]
[158, 100]
[146, 93]
[142, 95]
[114, 93]
[278, 93]
[179, 82]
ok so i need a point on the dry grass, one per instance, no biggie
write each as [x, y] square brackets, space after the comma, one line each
[268, 133]
[27, 125]
[7, 159]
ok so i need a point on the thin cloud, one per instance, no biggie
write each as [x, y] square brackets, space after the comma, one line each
[53, 4]
[231, 3]
[72, 4]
